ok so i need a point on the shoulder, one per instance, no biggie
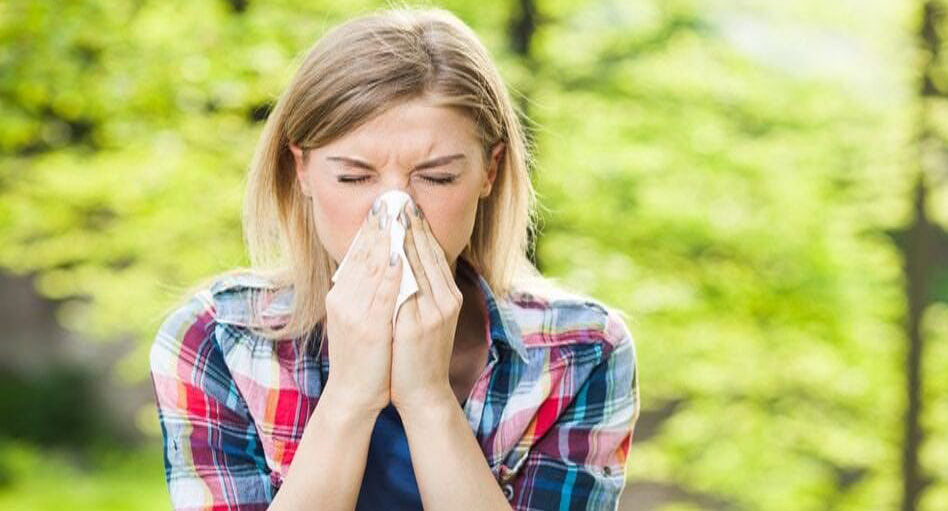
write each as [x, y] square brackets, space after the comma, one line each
[188, 332]
[192, 357]
[246, 298]
[550, 316]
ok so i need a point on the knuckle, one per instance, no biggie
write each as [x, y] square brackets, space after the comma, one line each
[430, 323]
[454, 307]
[375, 269]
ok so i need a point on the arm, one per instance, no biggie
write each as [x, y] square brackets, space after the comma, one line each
[579, 463]
[214, 459]
[327, 469]
[449, 466]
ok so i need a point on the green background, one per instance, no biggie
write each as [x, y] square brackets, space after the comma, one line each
[734, 175]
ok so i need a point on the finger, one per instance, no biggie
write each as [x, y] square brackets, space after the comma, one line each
[366, 237]
[442, 260]
[386, 292]
[372, 262]
[426, 302]
[373, 227]
[428, 252]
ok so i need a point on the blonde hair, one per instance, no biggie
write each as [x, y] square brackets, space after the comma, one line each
[354, 72]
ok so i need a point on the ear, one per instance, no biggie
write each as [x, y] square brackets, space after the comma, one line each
[496, 156]
[300, 167]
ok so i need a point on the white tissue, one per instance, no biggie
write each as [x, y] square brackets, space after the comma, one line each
[392, 202]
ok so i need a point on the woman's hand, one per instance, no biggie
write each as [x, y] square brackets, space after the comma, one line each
[426, 322]
[359, 310]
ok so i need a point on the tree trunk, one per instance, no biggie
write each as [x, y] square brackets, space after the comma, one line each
[919, 266]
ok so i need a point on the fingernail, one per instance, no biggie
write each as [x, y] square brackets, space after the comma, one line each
[376, 206]
[384, 223]
[392, 259]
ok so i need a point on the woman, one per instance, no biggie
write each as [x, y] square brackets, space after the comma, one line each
[281, 389]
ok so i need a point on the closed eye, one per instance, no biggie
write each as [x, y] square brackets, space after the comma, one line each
[343, 179]
[432, 180]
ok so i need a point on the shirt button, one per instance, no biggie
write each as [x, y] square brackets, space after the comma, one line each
[508, 491]
[608, 471]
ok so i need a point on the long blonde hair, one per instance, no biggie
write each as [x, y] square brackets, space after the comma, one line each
[354, 72]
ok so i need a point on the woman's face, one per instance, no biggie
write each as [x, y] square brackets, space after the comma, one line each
[430, 152]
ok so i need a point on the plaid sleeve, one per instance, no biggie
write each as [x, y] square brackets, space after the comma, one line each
[212, 455]
[579, 463]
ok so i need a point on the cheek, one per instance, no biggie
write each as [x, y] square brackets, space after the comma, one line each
[338, 220]
[452, 221]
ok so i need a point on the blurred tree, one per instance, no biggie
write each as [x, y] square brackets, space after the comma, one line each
[925, 245]
[726, 172]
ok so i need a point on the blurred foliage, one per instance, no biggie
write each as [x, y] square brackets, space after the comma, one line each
[33, 480]
[745, 160]
[36, 407]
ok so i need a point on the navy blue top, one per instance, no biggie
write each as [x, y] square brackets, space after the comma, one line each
[389, 480]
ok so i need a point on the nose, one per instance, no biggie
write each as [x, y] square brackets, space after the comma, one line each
[397, 180]
[405, 190]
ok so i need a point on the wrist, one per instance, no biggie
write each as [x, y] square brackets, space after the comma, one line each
[342, 406]
[434, 401]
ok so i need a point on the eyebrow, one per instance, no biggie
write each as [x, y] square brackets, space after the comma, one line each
[434, 162]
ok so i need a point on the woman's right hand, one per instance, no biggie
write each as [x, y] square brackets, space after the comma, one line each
[359, 309]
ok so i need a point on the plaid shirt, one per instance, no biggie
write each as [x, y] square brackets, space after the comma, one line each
[553, 411]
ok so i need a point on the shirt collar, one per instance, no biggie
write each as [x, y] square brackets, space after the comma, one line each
[503, 327]
[233, 293]
[504, 330]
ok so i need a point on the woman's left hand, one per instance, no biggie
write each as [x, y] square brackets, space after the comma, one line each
[426, 324]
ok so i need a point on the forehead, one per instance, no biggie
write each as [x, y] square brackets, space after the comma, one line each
[415, 125]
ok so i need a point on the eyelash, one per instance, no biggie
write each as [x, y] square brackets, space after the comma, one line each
[432, 180]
